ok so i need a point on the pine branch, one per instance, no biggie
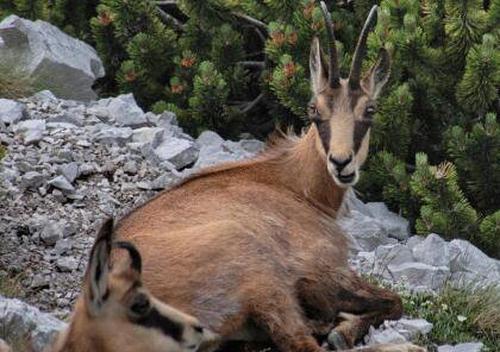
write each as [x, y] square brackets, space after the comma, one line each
[257, 64]
[253, 103]
[168, 19]
[251, 20]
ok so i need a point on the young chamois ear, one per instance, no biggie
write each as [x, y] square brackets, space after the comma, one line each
[317, 68]
[96, 277]
[378, 75]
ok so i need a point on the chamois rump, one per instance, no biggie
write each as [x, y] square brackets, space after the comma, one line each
[117, 313]
[252, 249]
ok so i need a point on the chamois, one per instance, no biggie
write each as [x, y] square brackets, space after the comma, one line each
[117, 313]
[252, 249]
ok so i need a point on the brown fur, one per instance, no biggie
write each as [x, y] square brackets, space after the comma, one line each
[252, 248]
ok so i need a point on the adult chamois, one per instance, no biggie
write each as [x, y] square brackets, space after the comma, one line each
[251, 248]
[116, 313]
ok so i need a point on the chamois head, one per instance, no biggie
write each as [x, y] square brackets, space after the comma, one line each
[116, 313]
[342, 109]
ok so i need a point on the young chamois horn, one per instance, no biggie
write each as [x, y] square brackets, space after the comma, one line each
[116, 313]
[252, 249]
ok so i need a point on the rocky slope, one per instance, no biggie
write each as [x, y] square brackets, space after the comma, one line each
[70, 164]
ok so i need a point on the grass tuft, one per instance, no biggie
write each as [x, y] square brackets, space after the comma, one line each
[458, 316]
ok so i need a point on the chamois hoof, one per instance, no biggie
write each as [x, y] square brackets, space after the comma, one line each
[336, 341]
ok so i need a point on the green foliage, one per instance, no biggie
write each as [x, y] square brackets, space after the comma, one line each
[478, 90]
[477, 157]
[444, 210]
[490, 233]
[458, 316]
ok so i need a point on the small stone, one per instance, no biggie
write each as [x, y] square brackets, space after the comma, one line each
[31, 179]
[70, 171]
[51, 233]
[413, 327]
[209, 138]
[148, 135]
[389, 335]
[63, 246]
[61, 183]
[179, 152]
[67, 264]
[59, 196]
[39, 281]
[31, 131]
[109, 134]
[130, 167]
[11, 111]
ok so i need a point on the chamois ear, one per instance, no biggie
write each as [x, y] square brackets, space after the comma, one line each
[96, 278]
[378, 75]
[317, 68]
[135, 256]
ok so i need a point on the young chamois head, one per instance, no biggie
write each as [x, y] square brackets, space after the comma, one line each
[342, 109]
[116, 313]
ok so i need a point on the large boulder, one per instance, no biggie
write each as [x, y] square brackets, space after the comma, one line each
[20, 319]
[50, 57]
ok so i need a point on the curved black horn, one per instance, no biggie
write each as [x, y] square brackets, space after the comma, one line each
[333, 64]
[359, 53]
[135, 256]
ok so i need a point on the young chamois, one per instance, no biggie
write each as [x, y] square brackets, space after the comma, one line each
[251, 248]
[116, 313]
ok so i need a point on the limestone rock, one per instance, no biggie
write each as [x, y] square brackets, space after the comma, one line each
[24, 320]
[53, 59]
[11, 111]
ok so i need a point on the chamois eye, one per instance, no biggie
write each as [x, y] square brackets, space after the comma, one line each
[370, 110]
[141, 305]
[313, 113]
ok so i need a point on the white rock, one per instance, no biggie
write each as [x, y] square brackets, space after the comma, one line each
[413, 327]
[420, 276]
[470, 266]
[70, 171]
[252, 146]
[109, 134]
[52, 232]
[148, 135]
[23, 320]
[210, 139]
[31, 131]
[395, 225]
[179, 152]
[67, 264]
[60, 182]
[389, 335]
[462, 347]
[11, 111]
[367, 233]
[413, 241]
[391, 255]
[32, 179]
[433, 250]
[123, 110]
[53, 59]
[212, 155]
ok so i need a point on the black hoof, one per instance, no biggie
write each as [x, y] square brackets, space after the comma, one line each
[336, 341]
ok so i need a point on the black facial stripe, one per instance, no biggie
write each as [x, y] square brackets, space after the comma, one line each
[360, 130]
[324, 133]
[157, 321]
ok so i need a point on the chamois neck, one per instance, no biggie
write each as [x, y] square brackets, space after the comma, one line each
[302, 167]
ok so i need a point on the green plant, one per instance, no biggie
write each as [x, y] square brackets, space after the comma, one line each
[458, 315]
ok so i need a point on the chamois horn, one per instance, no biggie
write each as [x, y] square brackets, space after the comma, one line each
[333, 63]
[359, 53]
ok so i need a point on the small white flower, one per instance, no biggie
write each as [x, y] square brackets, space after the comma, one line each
[461, 318]
[444, 306]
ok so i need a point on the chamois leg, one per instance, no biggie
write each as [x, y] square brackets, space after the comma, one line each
[280, 316]
[344, 291]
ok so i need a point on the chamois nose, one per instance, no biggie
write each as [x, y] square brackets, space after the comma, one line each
[198, 329]
[340, 164]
